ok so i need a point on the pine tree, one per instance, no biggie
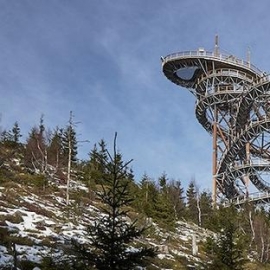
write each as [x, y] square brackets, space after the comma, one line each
[69, 141]
[55, 154]
[9, 144]
[227, 248]
[176, 197]
[163, 207]
[102, 156]
[205, 202]
[147, 196]
[6, 137]
[192, 209]
[94, 168]
[98, 160]
[112, 234]
[11, 137]
[36, 148]
[144, 185]
[16, 132]
[163, 180]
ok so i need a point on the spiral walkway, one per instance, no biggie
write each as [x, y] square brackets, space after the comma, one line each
[233, 105]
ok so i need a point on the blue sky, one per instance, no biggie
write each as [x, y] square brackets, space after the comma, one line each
[101, 60]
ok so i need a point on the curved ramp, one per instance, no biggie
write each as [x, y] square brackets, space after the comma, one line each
[233, 105]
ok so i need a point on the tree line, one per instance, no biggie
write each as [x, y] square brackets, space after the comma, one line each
[239, 232]
[49, 152]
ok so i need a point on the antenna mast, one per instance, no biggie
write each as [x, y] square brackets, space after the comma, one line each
[216, 50]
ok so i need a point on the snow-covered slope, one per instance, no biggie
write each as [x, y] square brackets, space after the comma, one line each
[36, 223]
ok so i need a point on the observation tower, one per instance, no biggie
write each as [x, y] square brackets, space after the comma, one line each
[233, 106]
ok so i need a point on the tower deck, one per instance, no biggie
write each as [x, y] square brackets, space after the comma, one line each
[233, 105]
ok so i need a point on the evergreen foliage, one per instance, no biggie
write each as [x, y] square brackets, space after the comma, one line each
[16, 133]
[69, 139]
[246, 231]
[163, 207]
[10, 146]
[176, 197]
[34, 151]
[112, 234]
[206, 209]
[55, 149]
[11, 138]
[98, 160]
[192, 208]
[260, 232]
[163, 183]
[147, 196]
[227, 248]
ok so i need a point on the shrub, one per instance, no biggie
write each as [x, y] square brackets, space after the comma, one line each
[36, 180]
[15, 218]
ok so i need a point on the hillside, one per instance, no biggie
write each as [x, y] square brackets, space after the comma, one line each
[38, 227]
[41, 226]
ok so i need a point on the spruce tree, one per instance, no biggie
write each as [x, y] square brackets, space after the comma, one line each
[163, 180]
[144, 191]
[94, 168]
[163, 211]
[6, 137]
[147, 196]
[206, 209]
[98, 160]
[227, 248]
[11, 138]
[155, 200]
[192, 209]
[16, 132]
[10, 146]
[112, 235]
[176, 197]
[69, 143]
[55, 149]
[36, 148]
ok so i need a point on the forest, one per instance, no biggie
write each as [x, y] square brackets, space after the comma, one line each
[241, 235]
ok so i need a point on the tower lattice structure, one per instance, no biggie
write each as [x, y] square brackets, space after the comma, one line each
[233, 105]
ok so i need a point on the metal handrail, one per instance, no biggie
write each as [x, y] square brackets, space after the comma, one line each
[238, 138]
[226, 72]
[224, 57]
[257, 196]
